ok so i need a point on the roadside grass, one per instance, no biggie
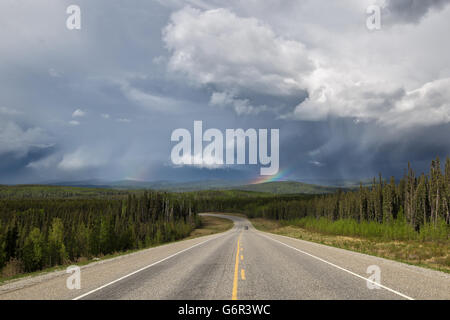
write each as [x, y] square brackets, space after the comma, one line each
[208, 226]
[430, 254]
[229, 214]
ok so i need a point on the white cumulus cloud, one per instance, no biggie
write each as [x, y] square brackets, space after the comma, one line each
[14, 139]
[216, 47]
[78, 113]
[344, 75]
[83, 158]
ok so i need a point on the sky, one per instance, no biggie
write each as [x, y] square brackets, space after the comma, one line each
[101, 102]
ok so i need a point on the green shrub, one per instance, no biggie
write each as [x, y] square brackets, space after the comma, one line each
[398, 229]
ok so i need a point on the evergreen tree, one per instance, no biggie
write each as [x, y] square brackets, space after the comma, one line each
[2, 247]
[389, 201]
[56, 247]
[33, 251]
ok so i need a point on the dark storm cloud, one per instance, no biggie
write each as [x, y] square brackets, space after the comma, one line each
[341, 149]
[410, 11]
[15, 169]
[117, 70]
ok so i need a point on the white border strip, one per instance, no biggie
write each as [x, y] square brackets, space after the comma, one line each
[336, 266]
[144, 268]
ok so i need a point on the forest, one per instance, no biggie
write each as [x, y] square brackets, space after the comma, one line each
[415, 207]
[43, 226]
[44, 232]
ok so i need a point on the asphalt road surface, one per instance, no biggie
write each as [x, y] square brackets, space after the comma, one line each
[242, 263]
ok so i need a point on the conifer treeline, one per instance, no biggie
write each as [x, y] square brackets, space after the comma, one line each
[420, 200]
[41, 233]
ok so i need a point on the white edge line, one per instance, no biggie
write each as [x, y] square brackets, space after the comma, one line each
[343, 269]
[142, 269]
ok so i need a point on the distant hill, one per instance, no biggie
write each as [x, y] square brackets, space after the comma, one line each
[50, 191]
[154, 185]
[287, 187]
[279, 187]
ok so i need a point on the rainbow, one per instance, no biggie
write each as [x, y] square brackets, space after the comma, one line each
[139, 173]
[280, 176]
[143, 173]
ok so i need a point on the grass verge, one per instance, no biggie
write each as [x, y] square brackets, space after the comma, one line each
[209, 225]
[430, 254]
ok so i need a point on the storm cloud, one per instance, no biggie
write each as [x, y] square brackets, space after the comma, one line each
[410, 11]
[101, 102]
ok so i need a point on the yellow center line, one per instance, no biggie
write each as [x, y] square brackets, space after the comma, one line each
[242, 274]
[236, 271]
[242, 257]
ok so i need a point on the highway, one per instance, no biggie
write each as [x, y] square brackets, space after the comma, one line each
[240, 264]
